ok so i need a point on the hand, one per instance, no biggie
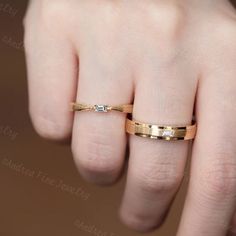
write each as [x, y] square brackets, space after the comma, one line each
[164, 55]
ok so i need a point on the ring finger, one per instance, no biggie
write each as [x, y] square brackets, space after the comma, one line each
[156, 167]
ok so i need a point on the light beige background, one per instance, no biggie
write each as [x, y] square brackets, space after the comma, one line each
[38, 179]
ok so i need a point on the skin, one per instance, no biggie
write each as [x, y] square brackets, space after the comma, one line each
[171, 59]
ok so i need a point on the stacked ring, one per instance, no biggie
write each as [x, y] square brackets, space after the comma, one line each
[162, 132]
[101, 108]
[168, 133]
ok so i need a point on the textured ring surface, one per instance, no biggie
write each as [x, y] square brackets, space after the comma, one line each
[168, 133]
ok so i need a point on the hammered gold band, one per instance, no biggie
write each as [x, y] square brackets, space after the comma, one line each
[101, 108]
[168, 133]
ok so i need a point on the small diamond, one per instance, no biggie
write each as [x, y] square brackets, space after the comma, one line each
[168, 133]
[101, 108]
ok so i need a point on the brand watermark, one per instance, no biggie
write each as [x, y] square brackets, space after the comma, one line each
[46, 179]
[7, 8]
[9, 41]
[7, 131]
[92, 229]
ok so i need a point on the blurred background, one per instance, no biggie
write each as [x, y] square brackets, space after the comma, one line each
[41, 192]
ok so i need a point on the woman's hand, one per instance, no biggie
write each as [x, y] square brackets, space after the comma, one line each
[164, 56]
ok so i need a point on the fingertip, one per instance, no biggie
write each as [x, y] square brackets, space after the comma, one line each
[139, 223]
[52, 130]
[96, 172]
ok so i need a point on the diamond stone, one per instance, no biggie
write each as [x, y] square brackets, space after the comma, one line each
[168, 133]
[101, 108]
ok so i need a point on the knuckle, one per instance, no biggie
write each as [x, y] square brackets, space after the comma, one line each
[223, 35]
[51, 21]
[227, 27]
[174, 15]
[96, 165]
[96, 153]
[109, 8]
[220, 177]
[165, 35]
[51, 129]
[140, 223]
[54, 14]
[160, 179]
[95, 168]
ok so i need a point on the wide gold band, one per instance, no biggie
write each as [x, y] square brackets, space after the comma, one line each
[101, 108]
[168, 133]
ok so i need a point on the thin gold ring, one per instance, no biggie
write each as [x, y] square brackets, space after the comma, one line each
[168, 133]
[101, 108]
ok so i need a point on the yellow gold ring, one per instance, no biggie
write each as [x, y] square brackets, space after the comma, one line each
[168, 133]
[101, 108]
